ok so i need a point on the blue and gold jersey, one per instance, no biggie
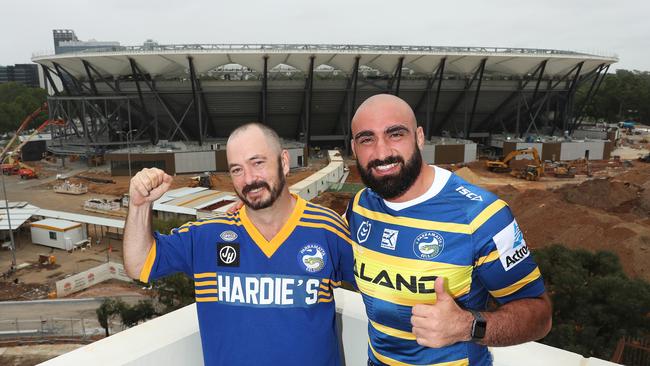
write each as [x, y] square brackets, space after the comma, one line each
[262, 302]
[455, 230]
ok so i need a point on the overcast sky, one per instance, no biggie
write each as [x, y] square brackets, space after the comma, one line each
[596, 26]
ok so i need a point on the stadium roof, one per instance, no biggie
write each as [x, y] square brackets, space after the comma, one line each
[170, 61]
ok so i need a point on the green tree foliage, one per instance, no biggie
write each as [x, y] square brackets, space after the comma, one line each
[177, 290]
[17, 101]
[132, 315]
[622, 95]
[594, 302]
[107, 310]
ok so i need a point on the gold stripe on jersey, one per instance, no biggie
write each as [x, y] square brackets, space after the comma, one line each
[395, 280]
[206, 291]
[145, 272]
[328, 219]
[269, 247]
[325, 300]
[326, 211]
[207, 299]
[392, 331]
[205, 275]
[328, 228]
[390, 361]
[185, 228]
[532, 276]
[450, 227]
[494, 255]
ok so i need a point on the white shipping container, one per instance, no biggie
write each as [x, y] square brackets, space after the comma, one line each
[61, 234]
[195, 162]
[470, 153]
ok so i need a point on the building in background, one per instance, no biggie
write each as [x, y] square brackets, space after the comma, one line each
[66, 41]
[26, 74]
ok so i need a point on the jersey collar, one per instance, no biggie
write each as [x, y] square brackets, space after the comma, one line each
[440, 178]
[270, 247]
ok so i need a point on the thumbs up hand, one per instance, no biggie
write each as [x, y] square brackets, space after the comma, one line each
[443, 323]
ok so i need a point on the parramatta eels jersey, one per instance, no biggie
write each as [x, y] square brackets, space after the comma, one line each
[262, 302]
[455, 230]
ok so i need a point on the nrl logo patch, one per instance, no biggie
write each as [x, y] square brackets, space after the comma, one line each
[228, 235]
[364, 232]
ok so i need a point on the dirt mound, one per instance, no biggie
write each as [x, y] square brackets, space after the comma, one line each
[337, 201]
[547, 218]
[606, 194]
[467, 174]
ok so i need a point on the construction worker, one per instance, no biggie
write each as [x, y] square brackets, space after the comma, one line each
[264, 276]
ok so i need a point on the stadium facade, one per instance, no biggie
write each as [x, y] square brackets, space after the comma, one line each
[198, 93]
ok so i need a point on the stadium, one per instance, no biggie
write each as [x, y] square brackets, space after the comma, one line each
[193, 95]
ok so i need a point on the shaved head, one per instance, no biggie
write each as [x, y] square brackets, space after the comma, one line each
[270, 136]
[386, 105]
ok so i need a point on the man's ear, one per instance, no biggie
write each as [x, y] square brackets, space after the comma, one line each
[285, 161]
[420, 138]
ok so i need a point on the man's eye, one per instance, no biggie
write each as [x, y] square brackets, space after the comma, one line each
[235, 171]
[397, 134]
[365, 140]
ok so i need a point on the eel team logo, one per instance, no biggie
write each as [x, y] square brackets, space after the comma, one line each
[228, 254]
[511, 246]
[312, 258]
[428, 245]
[228, 235]
[364, 232]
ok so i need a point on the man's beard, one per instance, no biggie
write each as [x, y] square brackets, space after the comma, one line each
[392, 186]
[275, 191]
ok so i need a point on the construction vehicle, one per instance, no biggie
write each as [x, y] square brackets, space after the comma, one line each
[202, 180]
[46, 259]
[564, 170]
[26, 171]
[645, 159]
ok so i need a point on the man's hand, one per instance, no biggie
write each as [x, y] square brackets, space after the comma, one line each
[148, 185]
[442, 323]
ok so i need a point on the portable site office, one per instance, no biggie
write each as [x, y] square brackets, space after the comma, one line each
[55, 233]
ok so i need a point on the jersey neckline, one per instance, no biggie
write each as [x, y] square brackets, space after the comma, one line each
[270, 247]
[440, 179]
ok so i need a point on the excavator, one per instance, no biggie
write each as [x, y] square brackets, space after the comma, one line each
[530, 172]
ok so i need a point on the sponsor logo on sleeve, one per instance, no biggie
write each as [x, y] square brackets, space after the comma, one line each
[364, 231]
[312, 258]
[511, 246]
[389, 239]
[469, 194]
[228, 254]
[428, 245]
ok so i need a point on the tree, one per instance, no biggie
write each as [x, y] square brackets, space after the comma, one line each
[177, 290]
[594, 302]
[107, 310]
[132, 315]
[17, 101]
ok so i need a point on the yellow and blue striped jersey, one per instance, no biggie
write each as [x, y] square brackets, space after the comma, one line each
[262, 302]
[455, 230]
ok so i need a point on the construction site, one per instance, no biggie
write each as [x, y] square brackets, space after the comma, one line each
[569, 182]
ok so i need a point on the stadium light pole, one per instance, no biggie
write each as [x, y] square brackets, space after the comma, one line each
[11, 232]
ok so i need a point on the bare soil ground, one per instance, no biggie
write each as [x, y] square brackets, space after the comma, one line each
[33, 355]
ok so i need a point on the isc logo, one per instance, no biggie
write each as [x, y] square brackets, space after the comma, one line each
[467, 193]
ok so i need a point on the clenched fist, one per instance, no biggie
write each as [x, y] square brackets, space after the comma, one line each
[148, 185]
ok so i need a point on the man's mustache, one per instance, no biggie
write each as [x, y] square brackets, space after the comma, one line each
[255, 185]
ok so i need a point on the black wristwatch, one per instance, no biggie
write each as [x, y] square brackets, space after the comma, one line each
[478, 326]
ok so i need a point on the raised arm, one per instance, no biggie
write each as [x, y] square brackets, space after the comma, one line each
[146, 186]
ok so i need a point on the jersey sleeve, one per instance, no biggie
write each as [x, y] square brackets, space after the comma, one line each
[502, 259]
[170, 254]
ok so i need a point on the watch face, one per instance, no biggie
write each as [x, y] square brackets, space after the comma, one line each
[478, 331]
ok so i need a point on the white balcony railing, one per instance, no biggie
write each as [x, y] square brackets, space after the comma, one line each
[173, 339]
